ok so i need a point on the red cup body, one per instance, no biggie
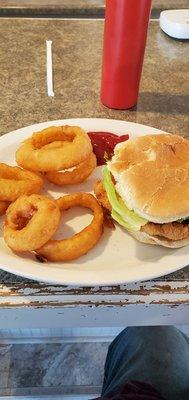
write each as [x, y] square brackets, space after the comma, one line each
[125, 32]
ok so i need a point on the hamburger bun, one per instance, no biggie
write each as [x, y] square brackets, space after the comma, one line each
[152, 177]
[146, 238]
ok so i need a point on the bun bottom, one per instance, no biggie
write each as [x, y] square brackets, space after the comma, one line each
[145, 238]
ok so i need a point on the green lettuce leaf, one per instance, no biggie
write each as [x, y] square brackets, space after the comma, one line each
[120, 212]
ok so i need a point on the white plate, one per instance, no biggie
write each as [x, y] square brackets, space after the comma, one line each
[117, 258]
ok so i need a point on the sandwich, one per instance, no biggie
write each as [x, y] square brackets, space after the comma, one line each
[145, 188]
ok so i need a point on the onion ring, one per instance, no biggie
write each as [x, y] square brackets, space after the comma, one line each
[15, 181]
[3, 206]
[77, 175]
[54, 149]
[80, 243]
[27, 225]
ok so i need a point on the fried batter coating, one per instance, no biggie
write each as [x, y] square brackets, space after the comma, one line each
[30, 222]
[101, 195]
[172, 230]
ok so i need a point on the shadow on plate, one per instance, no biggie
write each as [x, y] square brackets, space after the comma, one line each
[152, 253]
[147, 252]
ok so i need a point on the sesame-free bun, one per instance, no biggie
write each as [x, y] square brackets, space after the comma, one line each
[152, 176]
[146, 238]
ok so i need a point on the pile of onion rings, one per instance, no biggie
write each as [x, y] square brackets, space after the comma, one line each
[64, 155]
[27, 225]
[79, 244]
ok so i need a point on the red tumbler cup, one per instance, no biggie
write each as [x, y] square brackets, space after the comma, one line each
[126, 26]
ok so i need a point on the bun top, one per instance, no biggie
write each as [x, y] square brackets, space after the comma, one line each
[152, 176]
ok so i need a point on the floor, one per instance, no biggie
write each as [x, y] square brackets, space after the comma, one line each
[57, 365]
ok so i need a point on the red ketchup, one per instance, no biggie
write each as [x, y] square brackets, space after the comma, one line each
[103, 144]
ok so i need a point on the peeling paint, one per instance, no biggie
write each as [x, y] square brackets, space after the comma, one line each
[91, 304]
[132, 289]
[36, 295]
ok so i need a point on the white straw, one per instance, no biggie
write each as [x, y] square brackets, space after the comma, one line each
[49, 68]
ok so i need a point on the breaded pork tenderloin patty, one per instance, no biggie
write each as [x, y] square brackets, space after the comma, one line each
[149, 176]
[171, 230]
